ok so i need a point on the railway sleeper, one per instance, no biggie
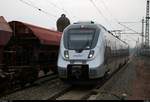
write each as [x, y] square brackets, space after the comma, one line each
[21, 75]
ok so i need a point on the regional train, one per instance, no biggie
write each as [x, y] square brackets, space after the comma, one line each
[89, 51]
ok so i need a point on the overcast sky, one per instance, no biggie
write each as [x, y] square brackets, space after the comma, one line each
[110, 11]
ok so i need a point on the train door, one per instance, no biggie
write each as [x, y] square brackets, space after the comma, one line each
[108, 55]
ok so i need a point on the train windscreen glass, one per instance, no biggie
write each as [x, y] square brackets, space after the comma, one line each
[79, 39]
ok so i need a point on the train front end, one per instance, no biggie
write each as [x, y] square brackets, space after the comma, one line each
[81, 53]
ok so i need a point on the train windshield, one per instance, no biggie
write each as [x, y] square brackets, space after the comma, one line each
[80, 39]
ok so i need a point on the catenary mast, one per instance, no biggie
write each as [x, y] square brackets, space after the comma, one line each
[147, 26]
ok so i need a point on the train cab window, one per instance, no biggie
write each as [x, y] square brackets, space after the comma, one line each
[78, 39]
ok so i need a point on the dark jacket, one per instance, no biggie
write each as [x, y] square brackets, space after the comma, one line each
[62, 23]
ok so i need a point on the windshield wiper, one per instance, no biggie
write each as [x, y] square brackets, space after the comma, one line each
[84, 47]
[87, 45]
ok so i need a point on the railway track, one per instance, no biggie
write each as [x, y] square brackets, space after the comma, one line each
[52, 88]
[43, 79]
[84, 93]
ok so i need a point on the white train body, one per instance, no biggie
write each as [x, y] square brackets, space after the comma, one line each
[88, 51]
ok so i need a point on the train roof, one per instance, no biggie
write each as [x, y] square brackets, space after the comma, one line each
[114, 35]
[89, 23]
[5, 31]
[46, 36]
[84, 24]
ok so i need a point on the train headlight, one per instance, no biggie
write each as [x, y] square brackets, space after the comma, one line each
[66, 54]
[91, 54]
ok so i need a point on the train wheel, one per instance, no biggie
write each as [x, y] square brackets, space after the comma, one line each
[28, 76]
[46, 69]
[125, 62]
[120, 65]
[107, 73]
[23, 83]
[32, 80]
[34, 75]
[4, 84]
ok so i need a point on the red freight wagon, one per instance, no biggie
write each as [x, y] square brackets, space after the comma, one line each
[30, 50]
[5, 35]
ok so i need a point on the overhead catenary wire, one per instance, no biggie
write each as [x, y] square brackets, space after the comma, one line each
[131, 22]
[99, 11]
[128, 28]
[106, 8]
[39, 9]
[54, 5]
[135, 32]
[71, 15]
[115, 19]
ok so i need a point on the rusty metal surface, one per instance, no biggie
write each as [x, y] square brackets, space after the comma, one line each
[46, 36]
[5, 31]
[1, 55]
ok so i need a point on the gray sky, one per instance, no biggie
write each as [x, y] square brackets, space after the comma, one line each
[77, 10]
